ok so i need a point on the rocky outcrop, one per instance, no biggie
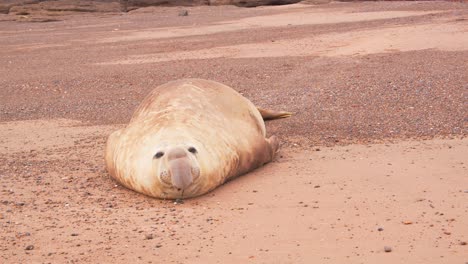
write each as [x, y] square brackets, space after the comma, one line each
[22, 6]
[6, 5]
[127, 5]
[64, 7]
[52, 10]
[133, 4]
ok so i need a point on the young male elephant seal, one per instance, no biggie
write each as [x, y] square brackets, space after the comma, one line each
[187, 137]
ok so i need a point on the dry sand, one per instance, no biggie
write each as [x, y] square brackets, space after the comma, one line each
[319, 205]
[374, 157]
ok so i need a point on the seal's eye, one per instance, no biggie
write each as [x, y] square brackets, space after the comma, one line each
[192, 150]
[159, 154]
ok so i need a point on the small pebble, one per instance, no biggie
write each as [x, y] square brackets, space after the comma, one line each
[74, 234]
[149, 236]
[30, 247]
[387, 249]
[380, 229]
[463, 243]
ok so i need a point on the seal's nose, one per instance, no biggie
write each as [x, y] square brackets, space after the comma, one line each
[180, 168]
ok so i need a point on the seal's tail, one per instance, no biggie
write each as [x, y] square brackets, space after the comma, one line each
[271, 114]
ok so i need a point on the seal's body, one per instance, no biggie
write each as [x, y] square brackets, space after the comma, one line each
[187, 137]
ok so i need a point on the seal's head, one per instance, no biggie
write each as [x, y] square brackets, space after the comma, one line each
[177, 167]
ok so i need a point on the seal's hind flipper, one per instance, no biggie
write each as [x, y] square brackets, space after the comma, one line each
[271, 115]
[273, 142]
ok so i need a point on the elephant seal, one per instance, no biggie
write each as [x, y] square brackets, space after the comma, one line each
[187, 137]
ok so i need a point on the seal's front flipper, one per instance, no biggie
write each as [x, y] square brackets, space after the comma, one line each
[270, 114]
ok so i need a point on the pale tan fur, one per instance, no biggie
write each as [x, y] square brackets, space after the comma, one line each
[226, 129]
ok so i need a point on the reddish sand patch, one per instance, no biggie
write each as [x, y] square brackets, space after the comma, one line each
[309, 16]
[445, 36]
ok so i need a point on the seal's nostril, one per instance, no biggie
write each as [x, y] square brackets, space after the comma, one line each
[192, 150]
